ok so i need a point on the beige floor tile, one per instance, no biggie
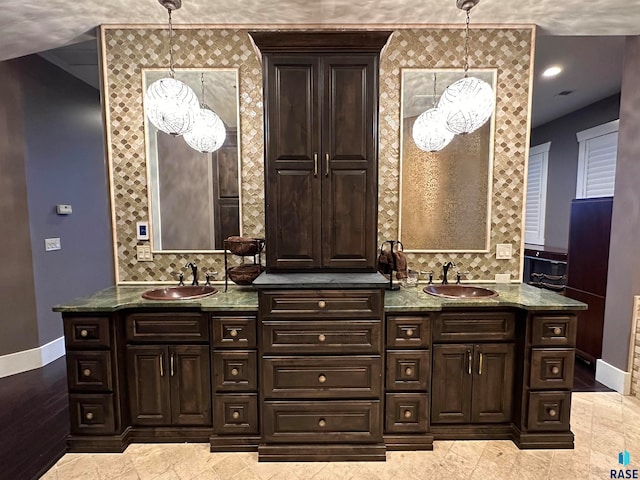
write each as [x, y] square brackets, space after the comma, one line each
[83, 467]
[52, 474]
[337, 471]
[246, 474]
[229, 466]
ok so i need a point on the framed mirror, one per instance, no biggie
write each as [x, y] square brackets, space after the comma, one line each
[445, 196]
[194, 197]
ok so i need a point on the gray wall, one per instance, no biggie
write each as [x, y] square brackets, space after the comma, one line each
[563, 162]
[624, 261]
[62, 152]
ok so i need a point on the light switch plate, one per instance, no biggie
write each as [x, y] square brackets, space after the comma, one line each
[143, 253]
[64, 209]
[142, 230]
[503, 278]
[503, 251]
[51, 244]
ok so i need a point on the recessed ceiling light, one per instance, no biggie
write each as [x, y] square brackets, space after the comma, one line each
[552, 71]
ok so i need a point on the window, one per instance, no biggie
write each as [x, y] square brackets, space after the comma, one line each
[597, 161]
[536, 194]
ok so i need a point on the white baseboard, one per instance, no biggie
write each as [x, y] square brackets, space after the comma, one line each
[613, 377]
[26, 360]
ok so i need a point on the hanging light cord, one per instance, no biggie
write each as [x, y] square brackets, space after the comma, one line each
[466, 45]
[171, 70]
[202, 102]
[434, 90]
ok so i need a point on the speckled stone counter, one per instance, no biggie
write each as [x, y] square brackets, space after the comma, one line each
[320, 280]
[246, 299]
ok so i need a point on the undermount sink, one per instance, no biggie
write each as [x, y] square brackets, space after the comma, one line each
[459, 291]
[182, 292]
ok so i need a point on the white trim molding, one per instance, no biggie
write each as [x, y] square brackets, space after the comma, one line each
[613, 377]
[26, 360]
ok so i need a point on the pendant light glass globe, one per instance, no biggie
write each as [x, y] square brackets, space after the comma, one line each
[208, 133]
[429, 131]
[171, 106]
[467, 104]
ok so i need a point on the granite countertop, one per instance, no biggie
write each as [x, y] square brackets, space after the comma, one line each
[320, 280]
[246, 299]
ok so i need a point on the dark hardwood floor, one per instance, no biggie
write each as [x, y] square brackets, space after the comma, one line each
[34, 421]
[584, 379]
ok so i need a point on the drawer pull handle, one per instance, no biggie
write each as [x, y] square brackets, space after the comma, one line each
[552, 412]
[409, 332]
[480, 364]
[233, 333]
[84, 333]
[408, 371]
[469, 361]
[171, 364]
[555, 370]
[322, 378]
[557, 330]
[322, 304]
[322, 337]
[322, 423]
[89, 416]
[161, 364]
[235, 414]
[235, 372]
[86, 372]
[408, 414]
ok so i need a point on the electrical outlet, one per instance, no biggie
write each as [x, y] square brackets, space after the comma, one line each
[503, 251]
[503, 278]
[143, 253]
[64, 209]
[51, 244]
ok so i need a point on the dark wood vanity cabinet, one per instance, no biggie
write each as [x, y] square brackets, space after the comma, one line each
[321, 123]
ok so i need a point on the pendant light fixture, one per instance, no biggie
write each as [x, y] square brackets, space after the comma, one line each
[169, 104]
[429, 130]
[208, 132]
[468, 103]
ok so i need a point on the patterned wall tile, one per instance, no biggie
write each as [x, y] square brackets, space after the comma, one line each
[128, 50]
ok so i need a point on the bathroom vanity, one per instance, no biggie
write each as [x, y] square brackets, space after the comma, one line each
[317, 370]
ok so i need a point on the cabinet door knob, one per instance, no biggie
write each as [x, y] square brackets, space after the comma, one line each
[557, 330]
[555, 370]
[322, 337]
[552, 412]
[409, 332]
[233, 333]
[322, 378]
[234, 372]
[235, 415]
[322, 304]
[407, 414]
[408, 371]
[322, 423]
[86, 372]
[89, 416]
[84, 333]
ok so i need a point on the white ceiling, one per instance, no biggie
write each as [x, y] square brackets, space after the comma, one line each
[593, 64]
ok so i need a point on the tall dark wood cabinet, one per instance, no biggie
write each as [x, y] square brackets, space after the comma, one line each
[587, 266]
[321, 124]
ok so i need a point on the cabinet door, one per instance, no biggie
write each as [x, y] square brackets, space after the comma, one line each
[451, 387]
[349, 162]
[492, 383]
[149, 384]
[292, 163]
[190, 385]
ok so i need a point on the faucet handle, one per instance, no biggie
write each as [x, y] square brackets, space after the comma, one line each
[208, 276]
[180, 276]
[459, 276]
[428, 272]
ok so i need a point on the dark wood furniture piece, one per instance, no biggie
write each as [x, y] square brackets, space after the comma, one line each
[545, 267]
[587, 267]
[321, 147]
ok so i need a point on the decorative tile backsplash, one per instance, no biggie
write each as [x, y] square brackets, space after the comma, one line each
[127, 50]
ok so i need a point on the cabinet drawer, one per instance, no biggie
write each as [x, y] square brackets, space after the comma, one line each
[235, 414]
[234, 332]
[553, 330]
[328, 336]
[322, 422]
[549, 411]
[167, 327]
[87, 370]
[552, 368]
[91, 414]
[408, 332]
[234, 371]
[474, 326]
[297, 304]
[87, 332]
[406, 412]
[322, 377]
[408, 370]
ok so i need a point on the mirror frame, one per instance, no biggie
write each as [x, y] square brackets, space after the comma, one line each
[150, 193]
[490, 176]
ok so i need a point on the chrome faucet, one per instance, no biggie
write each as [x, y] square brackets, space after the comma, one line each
[194, 272]
[445, 271]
